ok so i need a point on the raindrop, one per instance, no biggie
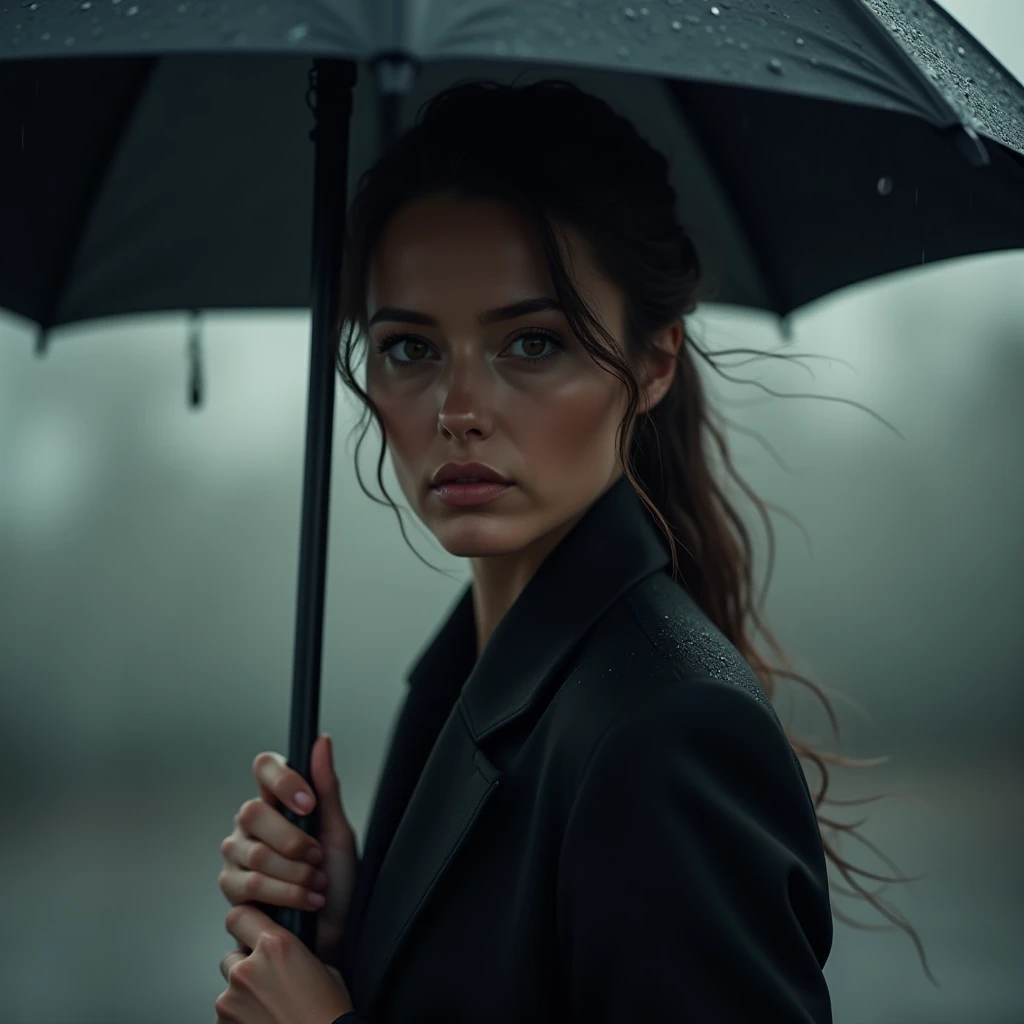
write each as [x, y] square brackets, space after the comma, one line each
[744, 45]
[298, 32]
[182, 8]
[815, 61]
[799, 40]
[70, 41]
[45, 37]
[569, 41]
[960, 50]
[715, 11]
[132, 11]
[87, 5]
[775, 66]
[885, 186]
[630, 13]
[623, 51]
[115, 2]
[97, 30]
[676, 26]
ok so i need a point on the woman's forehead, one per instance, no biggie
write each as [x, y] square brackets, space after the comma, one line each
[454, 251]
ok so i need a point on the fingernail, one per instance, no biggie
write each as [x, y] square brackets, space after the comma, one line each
[315, 899]
[303, 801]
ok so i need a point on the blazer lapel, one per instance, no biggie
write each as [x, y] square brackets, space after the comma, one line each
[613, 547]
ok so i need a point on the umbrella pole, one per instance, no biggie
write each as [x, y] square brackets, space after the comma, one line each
[330, 97]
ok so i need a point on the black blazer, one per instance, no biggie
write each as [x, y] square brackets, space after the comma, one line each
[601, 820]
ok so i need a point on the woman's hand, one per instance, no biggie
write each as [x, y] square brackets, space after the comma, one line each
[269, 860]
[280, 981]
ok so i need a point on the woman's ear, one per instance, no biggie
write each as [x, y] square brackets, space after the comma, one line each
[660, 367]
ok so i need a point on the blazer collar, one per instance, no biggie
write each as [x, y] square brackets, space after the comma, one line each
[613, 546]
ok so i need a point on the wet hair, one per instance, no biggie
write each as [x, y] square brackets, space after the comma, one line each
[564, 157]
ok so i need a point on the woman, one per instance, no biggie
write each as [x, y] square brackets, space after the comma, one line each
[589, 809]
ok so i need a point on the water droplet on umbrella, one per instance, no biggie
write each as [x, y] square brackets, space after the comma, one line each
[799, 40]
[45, 37]
[960, 50]
[70, 41]
[693, 19]
[775, 66]
[630, 13]
[298, 32]
[677, 26]
[86, 5]
[623, 51]
[132, 11]
[885, 185]
[715, 11]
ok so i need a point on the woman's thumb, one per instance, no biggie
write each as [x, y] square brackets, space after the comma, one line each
[334, 825]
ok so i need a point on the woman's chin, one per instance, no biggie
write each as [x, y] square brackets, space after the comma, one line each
[477, 540]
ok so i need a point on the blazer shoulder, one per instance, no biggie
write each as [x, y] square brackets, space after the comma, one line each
[656, 649]
[686, 640]
[656, 634]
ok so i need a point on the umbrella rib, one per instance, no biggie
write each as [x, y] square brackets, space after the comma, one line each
[776, 293]
[942, 104]
[120, 127]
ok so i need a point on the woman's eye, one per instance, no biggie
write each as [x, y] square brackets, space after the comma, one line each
[416, 349]
[534, 345]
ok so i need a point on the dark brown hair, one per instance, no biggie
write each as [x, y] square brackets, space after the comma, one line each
[564, 157]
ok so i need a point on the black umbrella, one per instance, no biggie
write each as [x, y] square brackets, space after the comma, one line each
[154, 156]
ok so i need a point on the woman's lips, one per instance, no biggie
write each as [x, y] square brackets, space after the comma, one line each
[470, 494]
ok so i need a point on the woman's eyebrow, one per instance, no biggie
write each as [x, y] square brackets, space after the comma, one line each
[491, 316]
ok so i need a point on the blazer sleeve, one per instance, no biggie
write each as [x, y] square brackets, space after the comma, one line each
[692, 882]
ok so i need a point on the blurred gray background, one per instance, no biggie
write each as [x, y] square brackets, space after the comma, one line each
[148, 564]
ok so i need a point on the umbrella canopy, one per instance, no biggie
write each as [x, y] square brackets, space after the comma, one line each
[812, 147]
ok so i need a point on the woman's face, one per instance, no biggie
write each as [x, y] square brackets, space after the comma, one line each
[518, 393]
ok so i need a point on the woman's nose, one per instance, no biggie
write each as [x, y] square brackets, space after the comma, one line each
[465, 405]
